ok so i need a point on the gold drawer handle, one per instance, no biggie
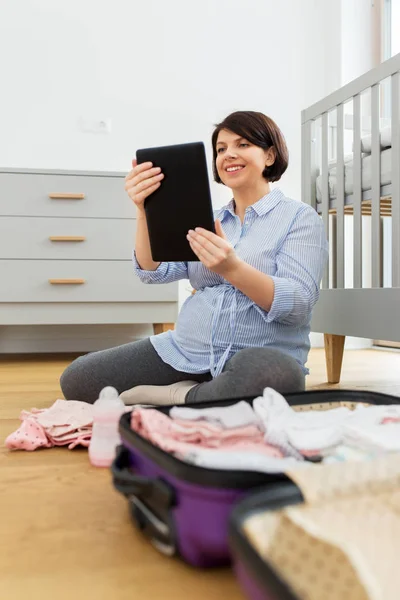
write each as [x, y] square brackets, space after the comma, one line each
[57, 196]
[66, 281]
[67, 238]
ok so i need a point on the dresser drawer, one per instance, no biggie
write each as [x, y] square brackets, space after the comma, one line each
[40, 194]
[62, 239]
[78, 281]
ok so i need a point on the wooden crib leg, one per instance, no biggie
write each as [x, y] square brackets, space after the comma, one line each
[334, 346]
[161, 327]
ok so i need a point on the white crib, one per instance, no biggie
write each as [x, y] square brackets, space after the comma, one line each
[351, 176]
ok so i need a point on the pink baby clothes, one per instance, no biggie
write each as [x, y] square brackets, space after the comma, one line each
[387, 420]
[181, 436]
[83, 439]
[29, 436]
[65, 417]
[154, 423]
[64, 423]
[75, 438]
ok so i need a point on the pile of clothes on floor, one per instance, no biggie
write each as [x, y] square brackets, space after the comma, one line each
[63, 424]
[270, 436]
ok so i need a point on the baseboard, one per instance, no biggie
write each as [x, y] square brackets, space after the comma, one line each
[68, 338]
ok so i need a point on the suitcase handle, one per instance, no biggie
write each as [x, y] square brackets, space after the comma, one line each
[143, 493]
[124, 480]
[130, 484]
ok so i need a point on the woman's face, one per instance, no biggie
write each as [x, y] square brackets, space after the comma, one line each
[240, 163]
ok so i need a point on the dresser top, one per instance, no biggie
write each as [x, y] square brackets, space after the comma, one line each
[63, 172]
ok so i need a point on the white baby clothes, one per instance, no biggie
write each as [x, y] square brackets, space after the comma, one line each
[240, 461]
[240, 414]
[373, 438]
[296, 432]
[375, 415]
[374, 429]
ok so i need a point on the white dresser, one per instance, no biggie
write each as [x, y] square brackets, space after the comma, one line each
[66, 242]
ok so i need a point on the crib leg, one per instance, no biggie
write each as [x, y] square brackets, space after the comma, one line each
[334, 346]
[161, 327]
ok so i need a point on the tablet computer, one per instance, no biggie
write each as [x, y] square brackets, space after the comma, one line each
[182, 202]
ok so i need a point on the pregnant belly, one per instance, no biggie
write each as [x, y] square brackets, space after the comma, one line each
[193, 328]
[198, 316]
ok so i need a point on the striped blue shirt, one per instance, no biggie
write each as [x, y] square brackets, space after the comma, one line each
[280, 237]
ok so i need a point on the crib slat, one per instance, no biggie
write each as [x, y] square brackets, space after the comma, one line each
[308, 194]
[395, 180]
[357, 191]
[332, 252]
[376, 263]
[340, 200]
[325, 188]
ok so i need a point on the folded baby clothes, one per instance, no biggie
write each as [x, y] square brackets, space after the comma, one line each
[270, 436]
[65, 423]
[79, 437]
[179, 436]
[65, 416]
[376, 415]
[240, 461]
[299, 432]
[374, 430]
[373, 438]
[236, 415]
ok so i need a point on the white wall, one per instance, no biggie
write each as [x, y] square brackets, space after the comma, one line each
[357, 47]
[163, 71]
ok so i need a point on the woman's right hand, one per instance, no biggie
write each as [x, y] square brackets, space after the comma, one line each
[143, 180]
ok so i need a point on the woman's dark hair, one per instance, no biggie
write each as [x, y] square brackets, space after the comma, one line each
[259, 130]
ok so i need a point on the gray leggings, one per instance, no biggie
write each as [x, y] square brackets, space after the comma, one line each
[247, 373]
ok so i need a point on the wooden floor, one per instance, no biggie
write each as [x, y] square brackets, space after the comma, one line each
[65, 533]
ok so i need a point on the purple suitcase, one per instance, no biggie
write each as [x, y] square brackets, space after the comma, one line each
[185, 509]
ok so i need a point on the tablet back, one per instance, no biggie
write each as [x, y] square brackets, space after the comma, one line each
[182, 202]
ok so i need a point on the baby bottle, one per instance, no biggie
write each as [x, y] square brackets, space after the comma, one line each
[108, 409]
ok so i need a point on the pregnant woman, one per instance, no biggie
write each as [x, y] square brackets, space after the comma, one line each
[258, 277]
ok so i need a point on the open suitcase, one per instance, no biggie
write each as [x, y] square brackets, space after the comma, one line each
[257, 578]
[185, 509]
[333, 532]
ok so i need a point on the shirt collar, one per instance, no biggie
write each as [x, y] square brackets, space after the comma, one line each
[261, 207]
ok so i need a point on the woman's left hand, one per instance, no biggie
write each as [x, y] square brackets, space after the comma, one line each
[214, 250]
